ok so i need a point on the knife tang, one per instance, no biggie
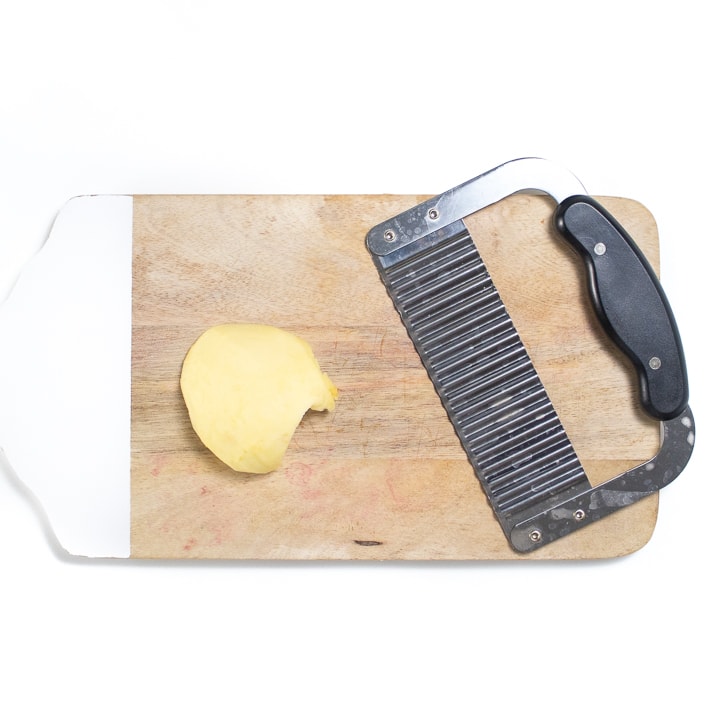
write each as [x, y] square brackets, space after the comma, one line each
[630, 303]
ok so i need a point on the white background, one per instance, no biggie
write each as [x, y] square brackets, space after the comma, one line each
[281, 97]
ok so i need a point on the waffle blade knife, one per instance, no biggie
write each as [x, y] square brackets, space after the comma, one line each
[481, 370]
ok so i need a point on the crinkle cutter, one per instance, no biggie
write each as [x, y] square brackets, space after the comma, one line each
[481, 370]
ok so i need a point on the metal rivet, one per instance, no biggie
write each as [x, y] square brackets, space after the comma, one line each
[600, 249]
[579, 515]
[433, 214]
[535, 536]
[389, 235]
[655, 363]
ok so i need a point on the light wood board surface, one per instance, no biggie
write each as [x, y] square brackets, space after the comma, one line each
[383, 476]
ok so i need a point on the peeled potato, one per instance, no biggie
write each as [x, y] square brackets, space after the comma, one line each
[247, 388]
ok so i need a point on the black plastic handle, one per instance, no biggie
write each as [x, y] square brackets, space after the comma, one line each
[630, 303]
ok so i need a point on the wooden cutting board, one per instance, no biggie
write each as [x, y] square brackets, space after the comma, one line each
[383, 476]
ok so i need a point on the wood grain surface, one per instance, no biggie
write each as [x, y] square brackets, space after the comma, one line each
[383, 476]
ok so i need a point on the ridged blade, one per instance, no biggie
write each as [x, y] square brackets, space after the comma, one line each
[482, 372]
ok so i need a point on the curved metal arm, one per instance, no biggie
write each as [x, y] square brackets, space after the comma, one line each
[678, 440]
[521, 175]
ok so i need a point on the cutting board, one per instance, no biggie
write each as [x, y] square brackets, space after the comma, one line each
[382, 476]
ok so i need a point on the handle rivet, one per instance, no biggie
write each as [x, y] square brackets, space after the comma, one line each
[600, 249]
[389, 235]
[655, 363]
[535, 536]
[433, 214]
[579, 515]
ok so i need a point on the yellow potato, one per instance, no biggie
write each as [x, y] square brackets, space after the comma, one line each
[247, 387]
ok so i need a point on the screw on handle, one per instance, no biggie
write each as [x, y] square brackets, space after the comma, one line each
[630, 303]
